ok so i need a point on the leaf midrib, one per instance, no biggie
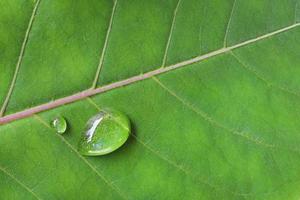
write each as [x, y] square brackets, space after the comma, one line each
[92, 91]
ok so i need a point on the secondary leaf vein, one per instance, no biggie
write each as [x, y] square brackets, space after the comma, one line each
[170, 34]
[229, 23]
[105, 45]
[19, 182]
[268, 83]
[212, 121]
[10, 90]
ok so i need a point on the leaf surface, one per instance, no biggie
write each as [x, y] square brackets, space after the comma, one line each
[212, 92]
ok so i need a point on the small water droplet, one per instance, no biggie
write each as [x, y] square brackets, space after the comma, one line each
[59, 124]
[104, 133]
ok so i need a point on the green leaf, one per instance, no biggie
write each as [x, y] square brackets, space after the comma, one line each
[211, 88]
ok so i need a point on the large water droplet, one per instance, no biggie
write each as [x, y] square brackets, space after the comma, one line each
[105, 132]
[59, 124]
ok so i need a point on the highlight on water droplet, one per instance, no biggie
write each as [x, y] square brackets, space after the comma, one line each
[59, 124]
[105, 132]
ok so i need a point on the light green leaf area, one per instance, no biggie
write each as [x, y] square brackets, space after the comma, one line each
[222, 127]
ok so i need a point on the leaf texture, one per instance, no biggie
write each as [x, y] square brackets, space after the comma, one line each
[212, 91]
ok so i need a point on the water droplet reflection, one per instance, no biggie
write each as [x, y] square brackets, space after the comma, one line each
[59, 124]
[104, 133]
